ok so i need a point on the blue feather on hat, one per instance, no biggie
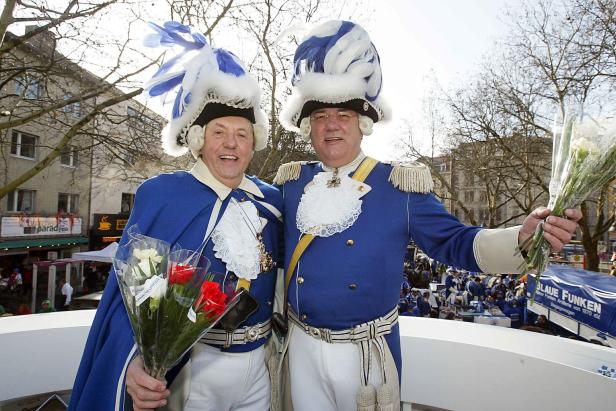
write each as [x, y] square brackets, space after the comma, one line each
[199, 75]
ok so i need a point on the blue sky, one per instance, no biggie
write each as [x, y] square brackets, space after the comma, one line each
[418, 37]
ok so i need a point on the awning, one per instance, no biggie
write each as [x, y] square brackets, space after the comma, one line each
[105, 255]
[42, 242]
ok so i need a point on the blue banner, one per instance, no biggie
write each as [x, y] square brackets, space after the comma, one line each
[585, 296]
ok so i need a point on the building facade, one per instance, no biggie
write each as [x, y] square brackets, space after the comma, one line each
[493, 183]
[44, 99]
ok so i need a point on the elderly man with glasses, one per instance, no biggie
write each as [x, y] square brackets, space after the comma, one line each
[348, 220]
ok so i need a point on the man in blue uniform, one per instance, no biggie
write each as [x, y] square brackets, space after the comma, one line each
[216, 116]
[476, 289]
[348, 220]
[424, 304]
[452, 282]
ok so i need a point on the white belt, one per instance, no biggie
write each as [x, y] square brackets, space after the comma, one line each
[362, 332]
[366, 335]
[242, 335]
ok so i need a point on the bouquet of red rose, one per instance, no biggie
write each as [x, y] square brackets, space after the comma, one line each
[170, 297]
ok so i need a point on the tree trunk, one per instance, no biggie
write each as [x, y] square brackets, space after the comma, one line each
[6, 18]
[588, 241]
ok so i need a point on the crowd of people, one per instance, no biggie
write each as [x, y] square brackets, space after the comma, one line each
[16, 289]
[17, 279]
[455, 290]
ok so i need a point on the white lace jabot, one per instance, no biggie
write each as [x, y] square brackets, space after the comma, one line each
[324, 211]
[235, 240]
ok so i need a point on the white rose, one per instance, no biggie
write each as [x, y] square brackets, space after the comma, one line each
[585, 145]
[147, 254]
[159, 288]
[143, 268]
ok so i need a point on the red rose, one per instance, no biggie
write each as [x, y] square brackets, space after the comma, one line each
[181, 274]
[212, 299]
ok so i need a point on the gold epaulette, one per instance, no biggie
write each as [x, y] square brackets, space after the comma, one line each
[411, 177]
[290, 171]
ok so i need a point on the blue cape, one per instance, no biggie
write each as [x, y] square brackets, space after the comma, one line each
[176, 208]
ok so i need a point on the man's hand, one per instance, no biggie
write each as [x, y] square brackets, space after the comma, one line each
[557, 230]
[147, 392]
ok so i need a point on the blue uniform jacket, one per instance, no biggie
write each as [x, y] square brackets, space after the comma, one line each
[346, 283]
[476, 290]
[423, 306]
[449, 282]
[176, 208]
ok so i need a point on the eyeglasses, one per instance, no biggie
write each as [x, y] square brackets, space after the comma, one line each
[340, 116]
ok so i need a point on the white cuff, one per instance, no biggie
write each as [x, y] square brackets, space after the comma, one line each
[496, 250]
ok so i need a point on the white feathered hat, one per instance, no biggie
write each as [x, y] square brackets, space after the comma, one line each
[336, 65]
[210, 82]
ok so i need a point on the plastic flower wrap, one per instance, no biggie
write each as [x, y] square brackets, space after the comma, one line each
[583, 161]
[170, 298]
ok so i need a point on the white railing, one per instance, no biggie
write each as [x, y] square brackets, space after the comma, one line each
[457, 365]
[40, 353]
[451, 365]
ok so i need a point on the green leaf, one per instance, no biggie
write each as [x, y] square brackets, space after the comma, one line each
[152, 269]
[143, 274]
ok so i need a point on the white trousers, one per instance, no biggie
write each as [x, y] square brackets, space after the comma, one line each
[223, 381]
[326, 376]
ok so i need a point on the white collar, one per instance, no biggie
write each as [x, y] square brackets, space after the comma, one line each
[202, 173]
[347, 168]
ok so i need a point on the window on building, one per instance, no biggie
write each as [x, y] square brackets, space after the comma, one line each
[127, 202]
[69, 156]
[469, 178]
[483, 196]
[139, 122]
[74, 108]
[28, 87]
[21, 200]
[469, 196]
[68, 203]
[23, 145]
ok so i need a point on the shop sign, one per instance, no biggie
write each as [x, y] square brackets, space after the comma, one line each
[109, 224]
[34, 226]
[577, 260]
